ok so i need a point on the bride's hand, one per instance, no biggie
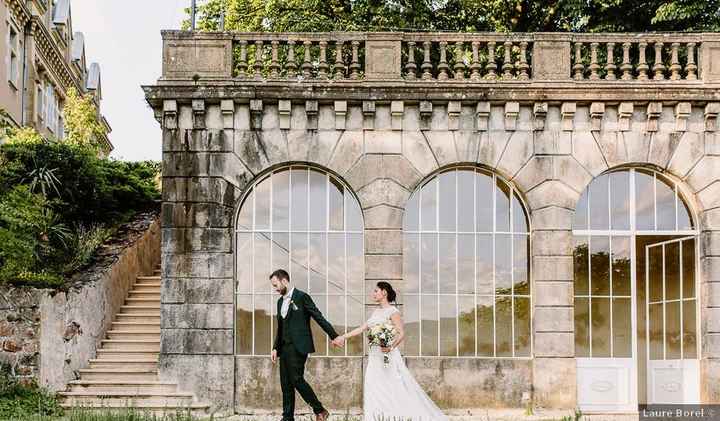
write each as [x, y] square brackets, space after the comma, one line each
[386, 349]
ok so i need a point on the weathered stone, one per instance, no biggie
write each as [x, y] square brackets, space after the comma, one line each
[709, 197]
[518, 151]
[552, 193]
[416, 149]
[383, 242]
[554, 344]
[569, 170]
[492, 145]
[554, 383]
[197, 291]
[208, 377]
[705, 172]
[198, 265]
[348, 151]
[554, 319]
[197, 316]
[196, 341]
[383, 141]
[383, 216]
[552, 218]
[250, 150]
[553, 268]
[367, 169]
[383, 267]
[587, 152]
[552, 243]
[399, 169]
[553, 293]
[322, 146]
[383, 192]
[467, 144]
[537, 170]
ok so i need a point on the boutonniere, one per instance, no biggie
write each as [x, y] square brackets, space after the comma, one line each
[294, 307]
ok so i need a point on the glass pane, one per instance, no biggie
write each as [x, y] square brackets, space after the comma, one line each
[656, 273]
[448, 263]
[262, 263]
[599, 205]
[483, 202]
[665, 205]
[300, 199]
[466, 263]
[411, 262]
[280, 251]
[263, 331]
[600, 337]
[689, 329]
[411, 318]
[448, 326]
[429, 311]
[466, 326]
[244, 263]
[503, 264]
[429, 263]
[262, 204]
[245, 219]
[448, 198]
[318, 201]
[672, 271]
[484, 262]
[356, 317]
[688, 272]
[485, 326]
[318, 263]
[411, 220]
[466, 201]
[644, 201]
[519, 218]
[600, 265]
[502, 207]
[243, 325]
[336, 316]
[299, 260]
[428, 206]
[356, 264]
[621, 284]
[521, 248]
[353, 214]
[319, 336]
[336, 205]
[522, 327]
[281, 200]
[580, 265]
[503, 326]
[580, 221]
[672, 330]
[655, 335]
[582, 327]
[684, 221]
[622, 320]
[620, 200]
[336, 263]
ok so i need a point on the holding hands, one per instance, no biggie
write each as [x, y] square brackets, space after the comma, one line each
[339, 342]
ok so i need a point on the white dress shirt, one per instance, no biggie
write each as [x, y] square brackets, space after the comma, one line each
[286, 303]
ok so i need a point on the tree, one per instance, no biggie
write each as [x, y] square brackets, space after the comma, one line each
[461, 15]
[81, 121]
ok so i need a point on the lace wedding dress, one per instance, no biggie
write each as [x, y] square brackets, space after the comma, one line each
[391, 392]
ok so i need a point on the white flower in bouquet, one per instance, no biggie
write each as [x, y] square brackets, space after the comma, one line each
[382, 335]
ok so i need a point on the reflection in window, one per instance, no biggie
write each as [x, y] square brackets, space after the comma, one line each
[466, 268]
[307, 222]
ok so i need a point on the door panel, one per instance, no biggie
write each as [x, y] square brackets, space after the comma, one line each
[607, 384]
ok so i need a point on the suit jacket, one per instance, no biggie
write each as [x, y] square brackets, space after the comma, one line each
[301, 309]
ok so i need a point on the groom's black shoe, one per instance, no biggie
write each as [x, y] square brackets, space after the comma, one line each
[323, 416]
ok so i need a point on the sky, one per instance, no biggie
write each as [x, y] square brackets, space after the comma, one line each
[124, 37]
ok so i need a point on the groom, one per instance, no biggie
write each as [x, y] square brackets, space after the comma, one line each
[293, 343]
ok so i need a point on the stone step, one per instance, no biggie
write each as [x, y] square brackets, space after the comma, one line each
[155, 278]
[150, 302]
[140, 401]
[140, 325]
[118, 354]
[145, 294]
[119, 375]
[133, 335]
[119, 363]
[100, 387]
[140, 308]
[146, 288]
[131, 345]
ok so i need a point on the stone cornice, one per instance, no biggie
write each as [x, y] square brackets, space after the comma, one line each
[18, 10]
[49, 51]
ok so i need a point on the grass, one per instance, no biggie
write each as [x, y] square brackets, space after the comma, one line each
[126, 414]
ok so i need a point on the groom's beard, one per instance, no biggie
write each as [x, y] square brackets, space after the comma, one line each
[282, 290]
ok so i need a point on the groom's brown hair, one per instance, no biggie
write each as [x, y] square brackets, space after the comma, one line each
[280, 274]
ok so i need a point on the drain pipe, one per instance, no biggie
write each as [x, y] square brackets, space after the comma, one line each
[24, 82]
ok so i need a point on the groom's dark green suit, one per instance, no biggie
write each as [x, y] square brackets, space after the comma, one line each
[293, 343]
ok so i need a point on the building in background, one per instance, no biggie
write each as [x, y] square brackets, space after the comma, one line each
[44, 59]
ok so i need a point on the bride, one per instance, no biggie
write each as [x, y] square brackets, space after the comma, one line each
[391, 392]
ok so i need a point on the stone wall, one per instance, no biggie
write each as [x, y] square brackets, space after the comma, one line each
[19, 331]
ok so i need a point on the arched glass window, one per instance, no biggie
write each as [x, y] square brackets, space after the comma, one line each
[307, 222]
[466, 267]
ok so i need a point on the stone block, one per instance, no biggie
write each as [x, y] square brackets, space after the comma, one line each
[383, 241]
[367, 169]
[587, 152]
[553, 268]
[554, 344]
[208, 377]
[383, 141]
[368, 110]
[553, 218]
[551, 59]
[567, 115]
[710, 242]
[555, 383]
[706, 172]
[553, 293]
[552, 243]
[569, 170]
[347, 152]
[710, 219]
[383, 192]
[227, 112]
[322, 146]
[410, 118]
[711, 316]
[512, 110]
[354, 119]
[383, 216]
[711, 345]
[709, 197]
[710, 384]
[442, 144]
[400, 170]
[710, 269]
[383, 267]
[518, 151]
[417, 150]
[196, 341]
[198, 265]
[482, 113]
[326, 117]
[249, 149]
[552, 193]
[492, 145]
[397, 109]
[467, 144]
[340, 114]
[197, 316]
[554, 319]
[711, 292]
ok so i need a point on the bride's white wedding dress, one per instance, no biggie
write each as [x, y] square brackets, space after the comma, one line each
[391, 392]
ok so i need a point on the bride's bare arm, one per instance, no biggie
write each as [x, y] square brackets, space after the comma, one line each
[355, 332]
[400, 326]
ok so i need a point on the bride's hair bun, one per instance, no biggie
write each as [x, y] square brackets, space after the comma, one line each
[385, 286]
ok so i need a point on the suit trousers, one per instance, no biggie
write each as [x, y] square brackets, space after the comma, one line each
[292, 378]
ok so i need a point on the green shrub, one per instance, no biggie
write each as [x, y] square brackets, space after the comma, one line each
[21, 401]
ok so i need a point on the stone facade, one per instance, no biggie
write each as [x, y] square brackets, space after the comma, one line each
[548, 127]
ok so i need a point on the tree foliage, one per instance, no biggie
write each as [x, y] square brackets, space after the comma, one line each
[82, 126]
[461, 15]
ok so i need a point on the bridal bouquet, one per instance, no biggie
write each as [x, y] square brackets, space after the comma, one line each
[382, 335]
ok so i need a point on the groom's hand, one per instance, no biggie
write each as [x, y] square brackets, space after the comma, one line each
[273, 356]
[338, 342]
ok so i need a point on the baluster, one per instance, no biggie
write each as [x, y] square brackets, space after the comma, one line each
[475, 65]
[355, 64]
[323, 66]
[675, 62]
[443, 66]
[610, 65]
[579, 68]
[659, 67]
[426, 65]
[691, 68]
[626, 67]
[507, 63]
[274, 64]
[524, 66]
[258, 59]
[242, 63]
[411, 67]
[459, 63]
[307, 65]
[491, 66]
[291, 66]
[642, 62]
[339, 65]
[594, 66]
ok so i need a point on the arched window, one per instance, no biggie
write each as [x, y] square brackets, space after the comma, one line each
[308, 222]
[466, 267]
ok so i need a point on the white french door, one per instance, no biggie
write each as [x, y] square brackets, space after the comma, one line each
[673, 372]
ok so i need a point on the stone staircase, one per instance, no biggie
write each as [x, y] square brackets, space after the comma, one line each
[125, 372]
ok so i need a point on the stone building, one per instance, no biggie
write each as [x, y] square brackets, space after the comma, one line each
[43, 59]
[533, 197]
